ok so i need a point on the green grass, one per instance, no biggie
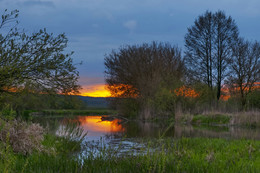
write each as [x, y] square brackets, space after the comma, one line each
[180, 155]
[211, 119]
[188, 155]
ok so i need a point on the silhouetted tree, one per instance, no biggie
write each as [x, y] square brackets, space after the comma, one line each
[245, 68]
[226, 37]
[209, 48]
[199, 42]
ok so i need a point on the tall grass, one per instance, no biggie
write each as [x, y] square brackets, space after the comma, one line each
[182, 155]
[187, 155]
[251, 118]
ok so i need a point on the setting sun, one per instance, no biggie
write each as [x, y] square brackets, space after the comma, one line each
[98, 90]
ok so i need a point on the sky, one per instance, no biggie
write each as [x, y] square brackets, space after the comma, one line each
[96, 27]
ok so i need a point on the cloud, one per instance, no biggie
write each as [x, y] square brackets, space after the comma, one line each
[131, 25]
[39, 3]
[87, 80]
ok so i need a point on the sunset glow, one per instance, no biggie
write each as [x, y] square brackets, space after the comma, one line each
[225, 94]
[186, 92]
[226, 91]
[98, 90]
[123, 91]
[93, 124]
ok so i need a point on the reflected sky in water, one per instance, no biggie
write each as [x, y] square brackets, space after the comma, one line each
[96, 127]
[127, 136]
[116, 128]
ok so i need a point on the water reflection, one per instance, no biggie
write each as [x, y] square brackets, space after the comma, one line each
[217, 132]
[94, 125]
[127, 136]
[116, 128]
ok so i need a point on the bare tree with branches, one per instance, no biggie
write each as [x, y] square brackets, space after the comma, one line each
[209, 48]
[245, 68]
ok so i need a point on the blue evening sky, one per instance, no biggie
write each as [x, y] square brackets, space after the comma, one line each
[95, 27]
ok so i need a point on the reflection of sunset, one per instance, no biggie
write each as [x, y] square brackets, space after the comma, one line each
[98, 90]
[95, 124]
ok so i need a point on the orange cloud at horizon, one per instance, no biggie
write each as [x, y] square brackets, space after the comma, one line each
[98, 90]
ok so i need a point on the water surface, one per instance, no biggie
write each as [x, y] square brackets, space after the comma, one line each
[129, 136]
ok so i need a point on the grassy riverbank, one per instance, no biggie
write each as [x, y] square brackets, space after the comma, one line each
[248, 119]
[182, 155]
[61, 154]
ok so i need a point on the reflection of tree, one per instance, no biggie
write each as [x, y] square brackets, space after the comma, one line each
[114, 135]
[51, 124]
[147, 129]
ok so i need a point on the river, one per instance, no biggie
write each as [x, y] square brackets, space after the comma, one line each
[129, 136]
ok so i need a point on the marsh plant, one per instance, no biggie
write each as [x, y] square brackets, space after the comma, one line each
[71, 131]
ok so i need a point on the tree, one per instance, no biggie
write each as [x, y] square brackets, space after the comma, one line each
[140, 71]
[199, 53]
[208, 46]
[226, 36]
[245, 68]
[36, 60]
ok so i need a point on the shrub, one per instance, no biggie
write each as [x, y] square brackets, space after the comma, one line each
[24, 138]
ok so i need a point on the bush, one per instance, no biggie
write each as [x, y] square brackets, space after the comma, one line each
[164, 101]
[24, 138]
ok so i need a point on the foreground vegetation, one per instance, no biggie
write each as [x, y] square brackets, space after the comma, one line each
[48, 153]
[181, 155]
